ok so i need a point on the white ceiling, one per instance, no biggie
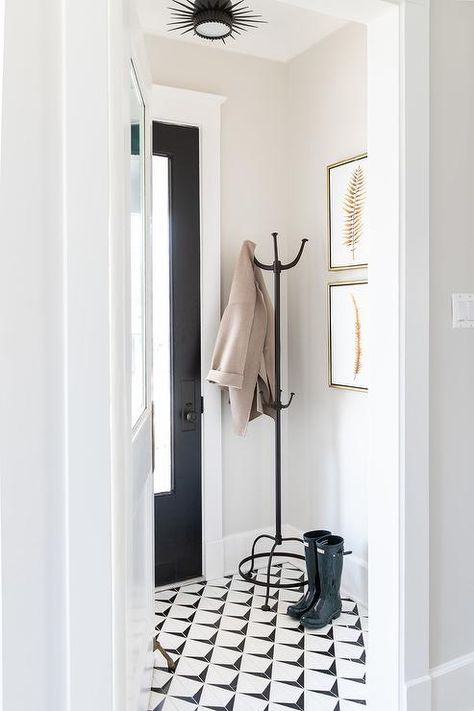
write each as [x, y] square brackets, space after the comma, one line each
[289, 30]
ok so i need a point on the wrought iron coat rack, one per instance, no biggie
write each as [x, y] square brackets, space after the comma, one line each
[277, 268]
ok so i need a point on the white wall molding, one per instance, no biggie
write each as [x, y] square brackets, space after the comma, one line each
[418, 694]
[384, 116]
[355, 579]
[452, 685]
[203, 110]
[449, 685]
[414, 285]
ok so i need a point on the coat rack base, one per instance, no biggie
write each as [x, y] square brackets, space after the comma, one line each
[251, 574]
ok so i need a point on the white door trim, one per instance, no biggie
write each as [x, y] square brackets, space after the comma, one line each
[414, 287]
[399, 294]
[203, 110]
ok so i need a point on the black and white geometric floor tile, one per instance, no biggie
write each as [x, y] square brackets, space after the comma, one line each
[233, 656]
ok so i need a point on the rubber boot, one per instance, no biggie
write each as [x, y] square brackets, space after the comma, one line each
[330, 551]
[312, 592]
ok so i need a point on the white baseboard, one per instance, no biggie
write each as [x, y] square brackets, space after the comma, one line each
[418, 694]
[213, 564]
[355, 579]
[293, 532]
[448, 686]
[452, 685]
[239, 546]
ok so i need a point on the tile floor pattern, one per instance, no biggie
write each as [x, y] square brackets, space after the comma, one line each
[232, 656]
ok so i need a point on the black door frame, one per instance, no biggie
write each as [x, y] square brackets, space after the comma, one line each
[175, 105]
[178, 514]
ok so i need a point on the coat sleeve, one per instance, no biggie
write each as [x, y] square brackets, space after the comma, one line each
[230, 352]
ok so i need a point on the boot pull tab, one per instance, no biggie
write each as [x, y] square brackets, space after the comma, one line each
[334, 555]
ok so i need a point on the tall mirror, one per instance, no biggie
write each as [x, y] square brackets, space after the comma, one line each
[137, 249]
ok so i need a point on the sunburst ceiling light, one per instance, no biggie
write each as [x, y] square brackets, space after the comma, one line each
[213, 19]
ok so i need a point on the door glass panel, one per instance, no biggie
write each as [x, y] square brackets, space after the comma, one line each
[161, 325]
[137, 251]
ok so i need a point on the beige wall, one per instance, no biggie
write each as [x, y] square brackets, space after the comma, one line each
[254, 203]
[452, 351]
[328, 443]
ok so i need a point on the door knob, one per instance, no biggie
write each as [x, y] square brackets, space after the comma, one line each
[189, 415]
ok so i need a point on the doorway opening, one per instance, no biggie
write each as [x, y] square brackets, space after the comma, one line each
[387, 498]
[324, 492]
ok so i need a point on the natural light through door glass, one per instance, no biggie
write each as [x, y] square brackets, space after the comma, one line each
[161, 325]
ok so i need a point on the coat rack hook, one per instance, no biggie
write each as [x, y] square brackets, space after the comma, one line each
[284, 407]
[275, 246]
[298, 256]
[270, 267]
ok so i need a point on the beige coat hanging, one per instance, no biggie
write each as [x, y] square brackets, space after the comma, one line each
[243, 361]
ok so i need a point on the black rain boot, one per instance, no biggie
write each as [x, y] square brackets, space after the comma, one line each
[312, 593]
[330, 550]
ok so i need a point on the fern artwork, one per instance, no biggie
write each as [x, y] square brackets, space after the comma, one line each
[357, 338]
[347, 198]
[353, 207]
[347, 337]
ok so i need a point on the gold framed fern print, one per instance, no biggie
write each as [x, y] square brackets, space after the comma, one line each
[346, 208]
[347, 335]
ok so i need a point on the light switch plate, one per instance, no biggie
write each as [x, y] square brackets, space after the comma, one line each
[463, 310]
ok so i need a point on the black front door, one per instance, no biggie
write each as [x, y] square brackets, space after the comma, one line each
[177, 353]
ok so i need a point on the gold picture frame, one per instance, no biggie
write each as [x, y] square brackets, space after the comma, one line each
[349, 192]
[348, 370]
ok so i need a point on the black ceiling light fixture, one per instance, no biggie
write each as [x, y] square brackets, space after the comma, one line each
[213, 19]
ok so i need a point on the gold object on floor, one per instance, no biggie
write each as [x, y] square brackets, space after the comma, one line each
[157, 646]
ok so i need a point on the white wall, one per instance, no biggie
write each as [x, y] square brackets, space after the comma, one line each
[60, 210]
[253, 204]
[452, 351]
[31, 426]
[328, 428]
